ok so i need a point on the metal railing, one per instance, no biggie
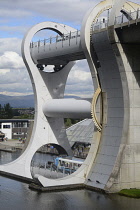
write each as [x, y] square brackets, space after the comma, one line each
[96, 26]
[119, 20]
[49, 170]
[56, 39]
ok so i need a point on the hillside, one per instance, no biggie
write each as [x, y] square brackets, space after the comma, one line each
[18, 101]
[22, 101]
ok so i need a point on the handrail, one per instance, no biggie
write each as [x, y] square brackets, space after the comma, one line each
[56, 39]
[96, 26]
[119, 20]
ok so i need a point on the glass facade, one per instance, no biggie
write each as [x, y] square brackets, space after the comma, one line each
[20, 124]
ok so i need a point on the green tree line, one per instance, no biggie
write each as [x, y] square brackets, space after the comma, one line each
[69, 122]
[6, 111]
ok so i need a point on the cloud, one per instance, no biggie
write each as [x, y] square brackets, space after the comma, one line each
[65, 11]
[14, 30]
[79, 81]
[14, 79]
[11, 60]
[10, 44]
[28, 12]
[14, 12]
[15, 93]
[82, 76]
[4, 71]
[15, 84]
[16, 17]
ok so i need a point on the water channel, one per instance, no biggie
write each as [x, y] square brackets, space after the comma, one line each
[16, 195]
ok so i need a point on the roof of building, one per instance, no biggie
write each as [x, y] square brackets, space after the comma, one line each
[81, 132]
[15, 120]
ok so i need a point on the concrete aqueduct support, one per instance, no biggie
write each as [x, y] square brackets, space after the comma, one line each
[113, 160]
[46, 86]
[115, 70]
[48, 130]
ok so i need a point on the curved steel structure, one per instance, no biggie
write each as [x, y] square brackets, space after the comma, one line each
[112, 163]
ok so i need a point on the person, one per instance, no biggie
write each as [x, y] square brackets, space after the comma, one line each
[52, 148]
[80, 151]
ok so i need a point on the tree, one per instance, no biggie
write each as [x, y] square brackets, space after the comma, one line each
[8, 111]
[2, 112]
[68, 122]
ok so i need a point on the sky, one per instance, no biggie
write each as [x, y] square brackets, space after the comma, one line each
[16, 17]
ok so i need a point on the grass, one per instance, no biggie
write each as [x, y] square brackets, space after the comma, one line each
[133, 193]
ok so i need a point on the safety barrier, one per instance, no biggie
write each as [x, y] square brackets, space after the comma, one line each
[96, 26]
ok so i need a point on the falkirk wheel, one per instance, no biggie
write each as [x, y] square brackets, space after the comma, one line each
[111, 47]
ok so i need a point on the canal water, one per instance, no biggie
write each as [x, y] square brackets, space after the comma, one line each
[16, 195]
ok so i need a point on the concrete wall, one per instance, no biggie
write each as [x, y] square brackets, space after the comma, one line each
[59, 52]
[116, 165]
[129, 174]
[112, 130]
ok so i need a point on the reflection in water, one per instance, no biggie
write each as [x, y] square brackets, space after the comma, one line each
[17, 195]
[7, 157]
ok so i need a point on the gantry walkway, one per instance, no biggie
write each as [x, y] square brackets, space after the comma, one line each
[60, 50]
